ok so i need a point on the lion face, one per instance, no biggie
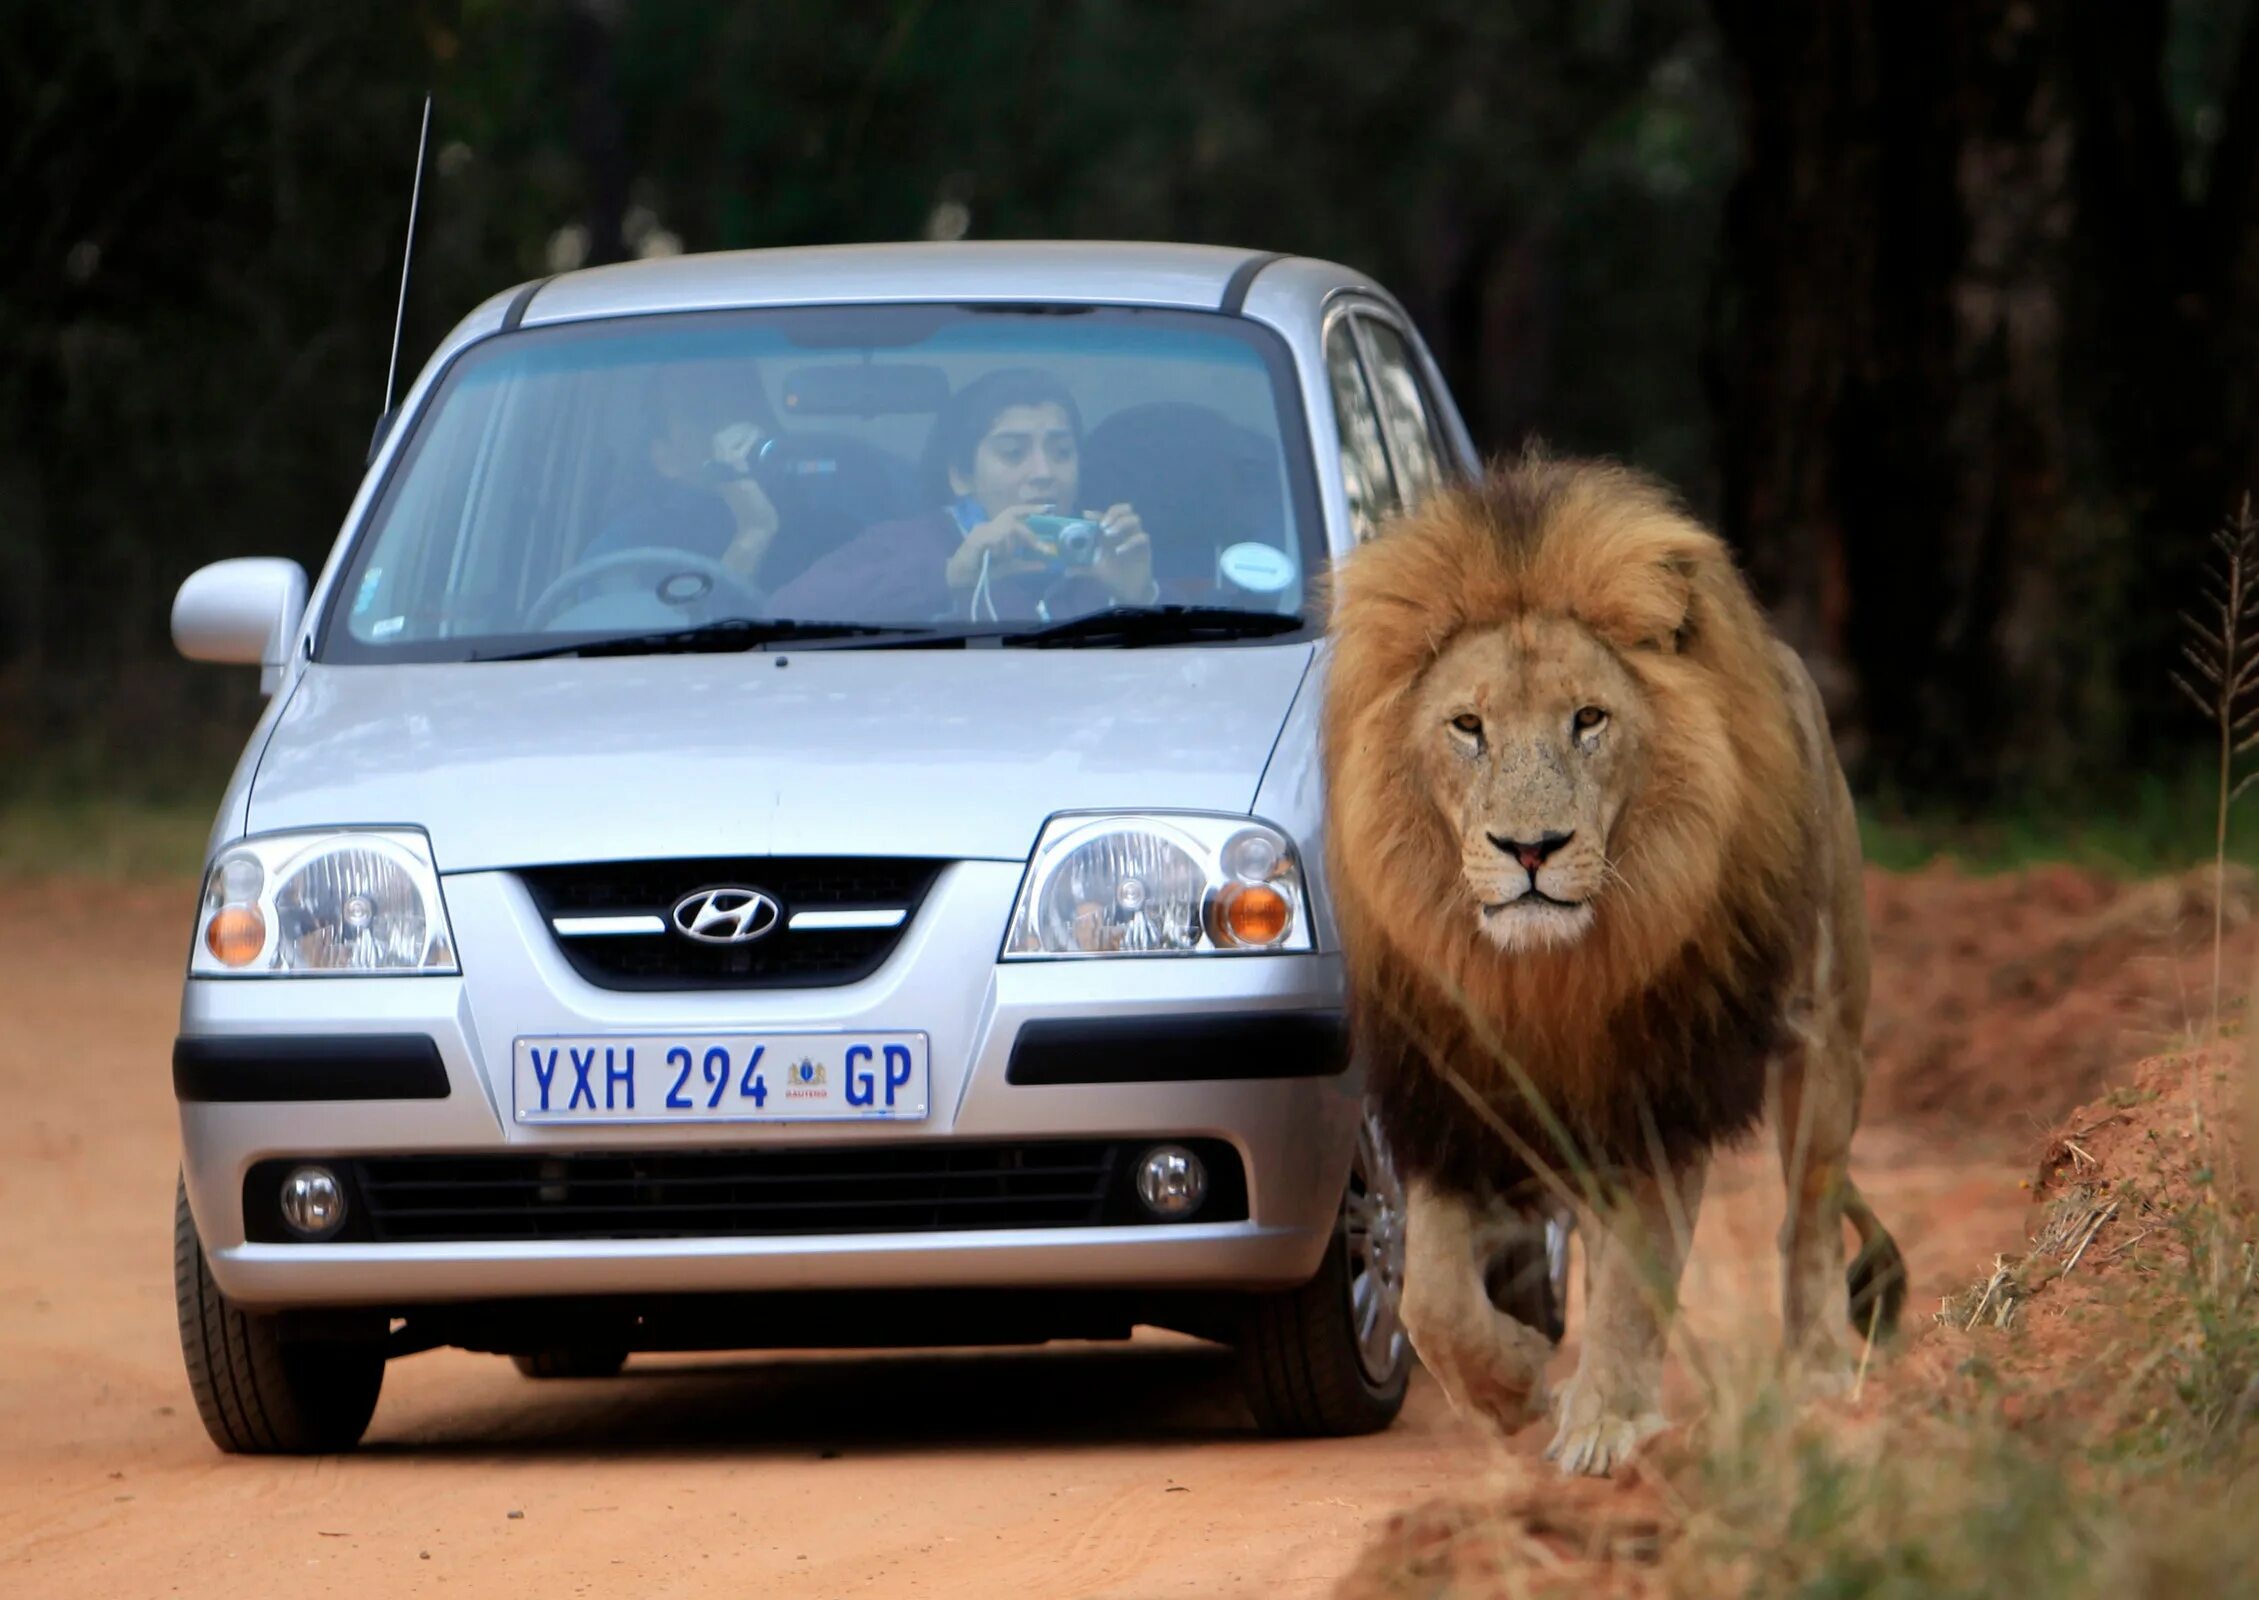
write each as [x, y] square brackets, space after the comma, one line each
[1531, 739]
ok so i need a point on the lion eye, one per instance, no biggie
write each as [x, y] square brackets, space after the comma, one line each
[1469, 724]
[1589, 718]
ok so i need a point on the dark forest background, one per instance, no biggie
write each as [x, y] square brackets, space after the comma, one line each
[1947, 313]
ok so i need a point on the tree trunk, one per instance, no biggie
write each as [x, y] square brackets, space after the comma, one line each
[1904, 434]
[599, 139]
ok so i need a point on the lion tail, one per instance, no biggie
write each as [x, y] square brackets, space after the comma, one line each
[1877, 1278]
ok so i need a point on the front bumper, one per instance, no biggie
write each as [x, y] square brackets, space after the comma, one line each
[1293, 1134]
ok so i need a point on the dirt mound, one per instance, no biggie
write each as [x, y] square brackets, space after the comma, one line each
[1999, 1001]
[2145, 1180]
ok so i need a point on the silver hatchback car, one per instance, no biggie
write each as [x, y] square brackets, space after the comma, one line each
[791, 818]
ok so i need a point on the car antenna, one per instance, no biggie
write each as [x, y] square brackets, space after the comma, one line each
[407, 254]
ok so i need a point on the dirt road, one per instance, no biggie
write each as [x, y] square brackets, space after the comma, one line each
[1068, 1471]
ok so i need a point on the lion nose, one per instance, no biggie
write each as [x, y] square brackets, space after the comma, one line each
[1532, 854]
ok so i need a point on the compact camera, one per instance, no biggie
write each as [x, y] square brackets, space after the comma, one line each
[1070, 543]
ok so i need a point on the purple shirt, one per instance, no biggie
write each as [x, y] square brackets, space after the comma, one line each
[892, 572]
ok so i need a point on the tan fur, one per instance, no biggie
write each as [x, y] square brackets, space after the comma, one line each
[1710, 867]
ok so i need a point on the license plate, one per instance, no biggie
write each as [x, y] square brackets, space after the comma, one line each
[767, 1077]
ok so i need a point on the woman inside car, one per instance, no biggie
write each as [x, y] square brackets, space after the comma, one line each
[1005, 450]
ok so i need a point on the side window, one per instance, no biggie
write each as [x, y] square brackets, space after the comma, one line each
[1415, 444]
[1365, 475]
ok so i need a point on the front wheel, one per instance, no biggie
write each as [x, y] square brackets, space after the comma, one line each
[1331, 1357]
[258, 1391]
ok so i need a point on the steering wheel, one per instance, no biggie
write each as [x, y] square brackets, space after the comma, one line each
[663, 562]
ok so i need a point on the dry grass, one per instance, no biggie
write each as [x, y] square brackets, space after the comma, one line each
[2110, 1452]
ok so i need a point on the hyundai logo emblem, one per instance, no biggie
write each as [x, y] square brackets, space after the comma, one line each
[725, 915]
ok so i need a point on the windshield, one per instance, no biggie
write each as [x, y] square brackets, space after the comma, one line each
[932, 470]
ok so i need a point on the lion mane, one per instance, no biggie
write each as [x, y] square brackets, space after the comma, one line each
[1649, 1037]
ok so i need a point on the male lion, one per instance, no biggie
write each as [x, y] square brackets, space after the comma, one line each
[1597, 879]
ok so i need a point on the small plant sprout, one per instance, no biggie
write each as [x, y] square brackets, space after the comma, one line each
[2224, 655]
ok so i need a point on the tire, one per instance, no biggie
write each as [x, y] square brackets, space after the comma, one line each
[572, 1361]
[257, 1391]
[1303, 1369]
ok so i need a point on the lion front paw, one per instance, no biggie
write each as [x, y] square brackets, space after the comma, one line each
[1598, 1435]
[1497, 1380]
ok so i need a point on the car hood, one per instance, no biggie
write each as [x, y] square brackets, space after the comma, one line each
[956, 753]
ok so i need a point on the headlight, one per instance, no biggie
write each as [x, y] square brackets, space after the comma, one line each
[360, 901]
[1159, 885]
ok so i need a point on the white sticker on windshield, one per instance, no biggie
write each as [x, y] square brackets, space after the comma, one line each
[1257, 568]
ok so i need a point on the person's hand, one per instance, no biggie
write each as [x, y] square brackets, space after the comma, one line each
[756, 517]
[733, 446]
[1125, 555]
[1006, 540]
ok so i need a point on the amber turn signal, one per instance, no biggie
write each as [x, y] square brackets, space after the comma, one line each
[1256, 914]
[236, 935]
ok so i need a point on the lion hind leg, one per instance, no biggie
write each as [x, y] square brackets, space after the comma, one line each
[1877, 1276]
[1818, 1111]
[1636, 1256]
[1491, 1367]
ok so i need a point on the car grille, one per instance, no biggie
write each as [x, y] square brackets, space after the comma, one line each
[656, 1194]
[785, 957]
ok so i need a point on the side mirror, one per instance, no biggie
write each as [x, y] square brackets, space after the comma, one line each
[241, 611]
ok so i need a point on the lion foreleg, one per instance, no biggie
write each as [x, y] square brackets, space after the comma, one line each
[1638, 1251]
[1491, 1367]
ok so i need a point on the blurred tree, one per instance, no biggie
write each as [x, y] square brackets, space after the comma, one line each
[189, 349]
[1971, 418]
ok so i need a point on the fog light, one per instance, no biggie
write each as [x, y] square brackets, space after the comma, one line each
[1171, 1181]
[313, 1202]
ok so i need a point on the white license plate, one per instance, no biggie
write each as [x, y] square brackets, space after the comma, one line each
[739, 1077]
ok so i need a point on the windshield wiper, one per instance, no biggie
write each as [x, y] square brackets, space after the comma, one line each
[730, 633]
[1126, 627]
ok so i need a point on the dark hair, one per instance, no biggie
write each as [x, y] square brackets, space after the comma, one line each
[973, 410]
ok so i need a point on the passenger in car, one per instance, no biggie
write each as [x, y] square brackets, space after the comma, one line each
[1006, 448]
[695, 489]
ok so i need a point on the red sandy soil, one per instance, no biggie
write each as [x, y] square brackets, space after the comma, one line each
[1999, 1002]
[1123, 1471]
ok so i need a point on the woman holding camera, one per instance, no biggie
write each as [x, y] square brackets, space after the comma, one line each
[1010, 544]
